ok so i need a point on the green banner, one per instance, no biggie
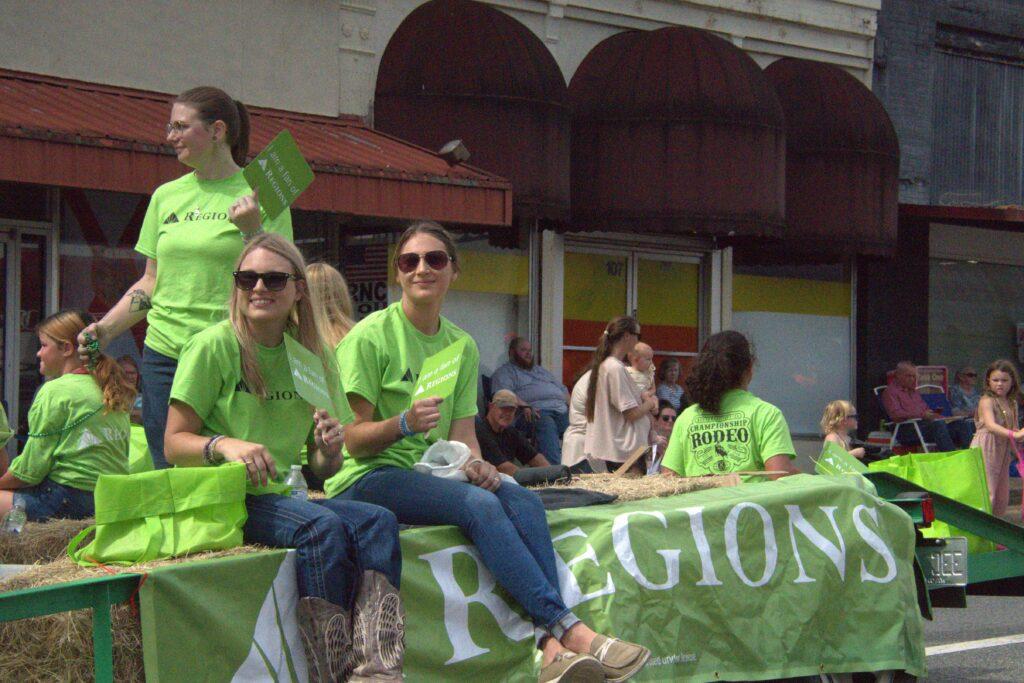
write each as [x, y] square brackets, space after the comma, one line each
[438, 377]
[279, 174]
[765, 580]
[796, 577]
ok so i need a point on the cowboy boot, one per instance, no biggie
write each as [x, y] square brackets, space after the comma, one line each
[327, 638]
[378, 630]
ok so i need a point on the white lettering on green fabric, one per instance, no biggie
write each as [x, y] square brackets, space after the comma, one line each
[876, 543]
[624, 551]
[732, 548]
[707, 567]
[836, 553]
[568, 585]
[456, 603]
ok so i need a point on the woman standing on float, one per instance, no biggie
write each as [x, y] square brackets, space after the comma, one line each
[379, 361]
[194, 230]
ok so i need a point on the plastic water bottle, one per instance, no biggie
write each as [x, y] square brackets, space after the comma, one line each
[298, 483]
[14, 521]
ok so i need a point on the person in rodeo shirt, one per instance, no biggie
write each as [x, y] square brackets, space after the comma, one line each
[727, 429]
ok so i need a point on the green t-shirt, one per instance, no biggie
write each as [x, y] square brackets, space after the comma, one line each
[380, 360]
[96, 444]
[187, 231]
[739, 438]
[209, 380]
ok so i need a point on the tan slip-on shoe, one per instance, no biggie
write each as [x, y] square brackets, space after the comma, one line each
[620, 659]
[569, 667]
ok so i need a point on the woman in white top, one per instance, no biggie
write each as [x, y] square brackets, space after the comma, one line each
[618, 414]
[573, 451]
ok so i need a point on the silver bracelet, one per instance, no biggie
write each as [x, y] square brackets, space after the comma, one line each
[248, 236]
[211, 456]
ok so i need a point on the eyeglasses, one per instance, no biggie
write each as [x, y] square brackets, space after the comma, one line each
[274, 281]
[177, 127]
[436, 260]
[667, 418]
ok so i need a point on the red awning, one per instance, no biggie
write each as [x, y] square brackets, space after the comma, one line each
[70, 133]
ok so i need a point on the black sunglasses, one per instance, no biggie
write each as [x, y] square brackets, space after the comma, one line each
[667, 418]
[436, 260]
[274, 281]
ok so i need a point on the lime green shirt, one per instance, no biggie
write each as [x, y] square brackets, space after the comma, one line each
[745, 433]
[187, 231]
[379, 360]
[80, 441]
[209, 380]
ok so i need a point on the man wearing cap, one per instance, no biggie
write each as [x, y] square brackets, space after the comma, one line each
[501, 446]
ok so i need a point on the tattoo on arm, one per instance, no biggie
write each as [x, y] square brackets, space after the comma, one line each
[140, 301]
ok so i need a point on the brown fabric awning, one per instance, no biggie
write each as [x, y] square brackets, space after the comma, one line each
[69, 133]
[675, 131]
[458, 69]
[842, 160]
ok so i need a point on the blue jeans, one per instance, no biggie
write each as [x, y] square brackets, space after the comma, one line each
[335, 542]
[50, 500]
[508, 527]
[157, 376]
[550, 427]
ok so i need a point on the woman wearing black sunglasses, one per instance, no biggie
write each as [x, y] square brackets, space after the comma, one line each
[234, 400]
[194, 230]
[380, 360]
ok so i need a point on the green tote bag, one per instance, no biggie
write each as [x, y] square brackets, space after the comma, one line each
[959, 475]
[164, 513]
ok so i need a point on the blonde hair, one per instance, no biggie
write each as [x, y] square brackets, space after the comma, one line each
[64, 328]
[835, 413]
[331, 302]
[302, 319]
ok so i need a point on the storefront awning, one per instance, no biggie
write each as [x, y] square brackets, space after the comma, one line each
[993, 217]
[675, 131]
[488, 81]
[70, 133]
[842, 160]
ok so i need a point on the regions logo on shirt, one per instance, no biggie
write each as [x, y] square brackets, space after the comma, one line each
[408, 376]
[88, 439]
[720, 443]
[173, 218]
[201, 215]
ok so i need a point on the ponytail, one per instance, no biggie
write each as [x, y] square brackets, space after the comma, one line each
[721, 366]
[118, 392]
[240, 147]
[616, 330]
[64, 328]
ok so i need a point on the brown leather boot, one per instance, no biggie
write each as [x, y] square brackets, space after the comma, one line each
[326, 632]
[378, 631]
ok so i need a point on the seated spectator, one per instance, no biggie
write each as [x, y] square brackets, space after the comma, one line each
[964, 395]
[668, 388]
[505, 448]
[641, 366]
[538, 390]
[902, 402]
[78, 428]
[665, 420]
[131, 371]
[728, 429]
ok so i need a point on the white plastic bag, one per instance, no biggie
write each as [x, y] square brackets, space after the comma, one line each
[445, 459]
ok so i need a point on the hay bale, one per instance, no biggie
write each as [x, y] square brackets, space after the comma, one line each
[40, 541]
[631, 487]
[58, 647]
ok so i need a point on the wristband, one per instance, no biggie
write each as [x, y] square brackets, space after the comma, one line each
[403, 425]
[210, 456]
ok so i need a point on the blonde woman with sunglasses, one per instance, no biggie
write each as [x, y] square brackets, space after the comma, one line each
[234, 400]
